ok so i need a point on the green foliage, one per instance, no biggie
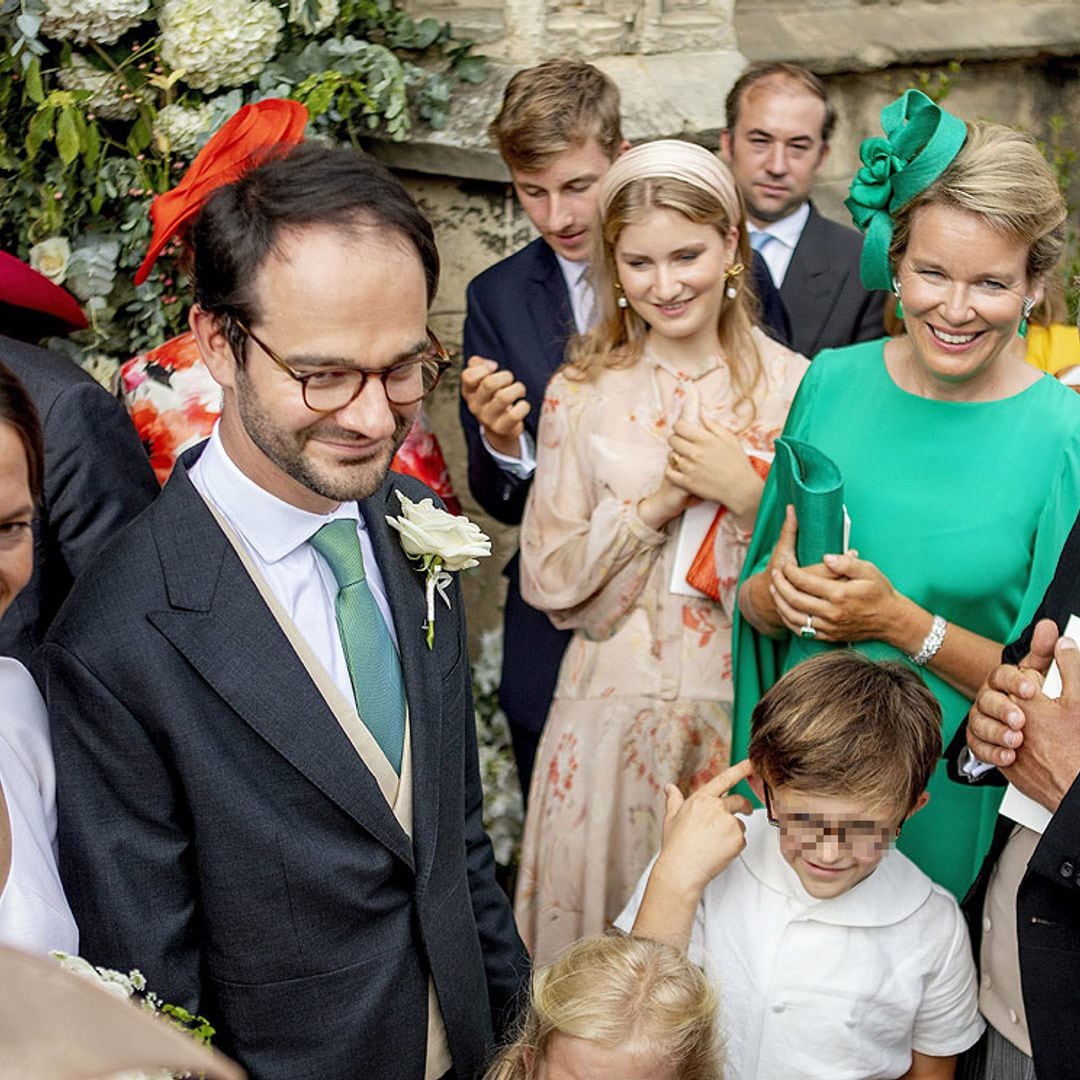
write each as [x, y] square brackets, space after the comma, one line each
[91, 130]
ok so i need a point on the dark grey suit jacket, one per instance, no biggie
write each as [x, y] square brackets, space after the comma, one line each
[97, 478]
[825, 300]
[218, 830]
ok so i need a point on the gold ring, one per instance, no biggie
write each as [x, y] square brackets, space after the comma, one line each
[673, 459]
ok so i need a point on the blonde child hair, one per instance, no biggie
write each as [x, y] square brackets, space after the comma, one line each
[620, 992]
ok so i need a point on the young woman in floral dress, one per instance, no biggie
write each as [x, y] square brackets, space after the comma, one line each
[674, 398]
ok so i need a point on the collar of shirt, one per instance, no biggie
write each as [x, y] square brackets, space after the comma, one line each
[270, 526]
[578, 285]
[889, 895]
[786, 230]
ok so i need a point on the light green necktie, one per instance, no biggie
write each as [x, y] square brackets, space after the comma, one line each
[374, 664]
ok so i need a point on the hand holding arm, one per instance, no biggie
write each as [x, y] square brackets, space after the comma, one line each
[702, 836]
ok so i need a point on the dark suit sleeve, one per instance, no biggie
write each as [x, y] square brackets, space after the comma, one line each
[499, 492]
[1059, 848]
[505, 960]
[125, 860]
[97, 475]
[871, 319]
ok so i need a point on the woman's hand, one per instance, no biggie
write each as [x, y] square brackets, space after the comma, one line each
[847, 599]
[668, 501]
[756, 600]
[709, 461]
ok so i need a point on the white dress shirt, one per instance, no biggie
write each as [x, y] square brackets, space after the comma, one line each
[839, 989]
[785, 234]
[275, 534]
[34, 914]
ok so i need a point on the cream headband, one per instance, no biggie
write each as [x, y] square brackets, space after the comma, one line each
[672, 159]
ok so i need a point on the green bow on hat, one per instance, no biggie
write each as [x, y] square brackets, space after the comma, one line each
[921, 139]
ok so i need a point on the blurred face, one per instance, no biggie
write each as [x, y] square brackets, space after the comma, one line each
[328, 300]
[567, 1058]
[672, 273]
[16, 517]
[560, 198]
[830, 843]
[776, 150]
[962, 284]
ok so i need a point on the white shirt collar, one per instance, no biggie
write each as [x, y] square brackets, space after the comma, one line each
[787, 229]
[890, 894]
[573, 270]
[272, 527]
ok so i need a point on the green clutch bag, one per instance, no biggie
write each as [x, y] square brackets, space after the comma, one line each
[812, 483]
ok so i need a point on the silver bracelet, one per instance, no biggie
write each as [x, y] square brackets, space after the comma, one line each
[931, 643]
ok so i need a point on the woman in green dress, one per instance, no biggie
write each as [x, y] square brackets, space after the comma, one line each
[961, 462]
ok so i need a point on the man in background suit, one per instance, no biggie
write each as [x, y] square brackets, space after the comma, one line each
[779, 123]
[97, 478]
[558, 130]
[271, 800]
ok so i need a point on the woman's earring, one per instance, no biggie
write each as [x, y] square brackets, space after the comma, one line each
[1029, 305]
[730, 274]
[620, 299]
[896, 293]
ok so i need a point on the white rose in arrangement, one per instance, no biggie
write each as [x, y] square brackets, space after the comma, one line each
[179, 128]
[50, 258]
[219, 42]
[109, 94]
[442, 543]
[85, 21]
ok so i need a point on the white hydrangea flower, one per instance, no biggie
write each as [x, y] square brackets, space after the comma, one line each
[83, 21]
[179, 127]
[314, 15]
[109, 95]
[219, 42]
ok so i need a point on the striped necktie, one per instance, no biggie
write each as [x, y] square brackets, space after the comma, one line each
[372, 658]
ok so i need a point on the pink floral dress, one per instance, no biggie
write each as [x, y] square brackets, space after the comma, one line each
[644, 692]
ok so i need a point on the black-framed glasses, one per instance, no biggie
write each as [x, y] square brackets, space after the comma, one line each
[405, 383]
[863, 838]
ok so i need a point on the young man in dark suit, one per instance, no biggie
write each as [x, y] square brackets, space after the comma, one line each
[271, 800]
[558, 131]
[779, 123]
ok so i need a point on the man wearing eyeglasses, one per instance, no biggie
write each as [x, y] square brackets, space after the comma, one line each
[270, 795]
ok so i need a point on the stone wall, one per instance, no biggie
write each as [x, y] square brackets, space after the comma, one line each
[674, 61]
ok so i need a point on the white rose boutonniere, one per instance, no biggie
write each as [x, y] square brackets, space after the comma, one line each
[50, 258]
[441, 543]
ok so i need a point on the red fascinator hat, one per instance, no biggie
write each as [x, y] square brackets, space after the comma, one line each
[226, 157]
[31, 306]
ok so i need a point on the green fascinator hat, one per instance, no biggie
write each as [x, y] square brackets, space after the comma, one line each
[921, 139]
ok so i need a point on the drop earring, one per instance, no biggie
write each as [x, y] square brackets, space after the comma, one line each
[620, 299]
[1029, 305]
[730, 275]
[896, 293]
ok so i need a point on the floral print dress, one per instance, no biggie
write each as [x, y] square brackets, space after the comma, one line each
[644, 692]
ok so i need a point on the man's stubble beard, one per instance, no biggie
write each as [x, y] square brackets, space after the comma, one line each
[286, 450]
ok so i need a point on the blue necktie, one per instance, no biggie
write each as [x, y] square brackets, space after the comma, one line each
[374, 664]
[760, 240]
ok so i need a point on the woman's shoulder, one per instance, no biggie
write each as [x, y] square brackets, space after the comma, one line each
[777, 357]
[24, 724]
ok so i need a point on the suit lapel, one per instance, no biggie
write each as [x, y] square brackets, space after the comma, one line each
[218, 621]
[421, 667]
[552, 321]
[811, 286]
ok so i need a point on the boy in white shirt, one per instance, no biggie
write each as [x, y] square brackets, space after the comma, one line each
[836, 957]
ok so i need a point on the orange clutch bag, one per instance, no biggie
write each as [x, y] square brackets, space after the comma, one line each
[702, 572]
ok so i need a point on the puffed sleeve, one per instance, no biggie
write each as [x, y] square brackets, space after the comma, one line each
[585, 553]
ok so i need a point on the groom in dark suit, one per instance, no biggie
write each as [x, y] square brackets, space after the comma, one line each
[270, 798]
